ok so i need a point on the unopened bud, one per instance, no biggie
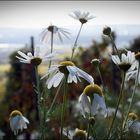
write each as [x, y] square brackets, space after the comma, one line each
[107, 30]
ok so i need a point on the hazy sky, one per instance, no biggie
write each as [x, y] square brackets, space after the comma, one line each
[31, 14]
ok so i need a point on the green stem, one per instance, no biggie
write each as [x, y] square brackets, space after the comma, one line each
[101, 77]
[51, 48]
[117, 106]
[114, 44]
[88, 129]
[132, 97]
[38, 101]
[94, 133]
[55, 98]
[75, 43]
[63, 107]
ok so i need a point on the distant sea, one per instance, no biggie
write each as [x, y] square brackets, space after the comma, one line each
[12, 39]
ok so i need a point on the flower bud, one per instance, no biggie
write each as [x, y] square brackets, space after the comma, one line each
[107, 30]
[95, 62]
[92, 120]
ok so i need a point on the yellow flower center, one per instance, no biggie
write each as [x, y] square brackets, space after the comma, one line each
[133, 116]
[124, 66]
[79, 135]
[36, 61]
[63, 68]
[90, 90]
[82, 20]
[15, 113]
[137, 56]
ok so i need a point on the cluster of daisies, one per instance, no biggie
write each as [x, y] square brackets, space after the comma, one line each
[92, 97]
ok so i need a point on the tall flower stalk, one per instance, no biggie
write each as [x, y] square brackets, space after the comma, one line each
[117, 106]
[64, 104]
[132, 97]
[125, 64]
[82, 18]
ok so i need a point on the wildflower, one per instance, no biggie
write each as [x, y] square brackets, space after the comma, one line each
[133, 73]
[35, 59]
[132, 116]
[17, 121]
[107, 30]
[68, 69]
[91, 98]
[127, 62]
[82, 17]
[52, 29]
[133, 123]
[77, 134]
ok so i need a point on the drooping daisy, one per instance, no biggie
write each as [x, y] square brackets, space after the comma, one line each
[133, 123]
[35, 59]
[76, 134]
[127, 62]
[17, 121]
[82, 17]
[52, 29]
[134, 72]
[68, 69]
[92, 98]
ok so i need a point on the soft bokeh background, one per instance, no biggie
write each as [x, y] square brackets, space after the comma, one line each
[20, 28]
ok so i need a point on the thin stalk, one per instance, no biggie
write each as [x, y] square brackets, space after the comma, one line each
[132, 97]
[94, 133]
[38, 100]
[75, 43]
[101, 77]
[117, 106]
[63, 107]
[51, 48]
[57, 92]
[114, 45]
[88, 129]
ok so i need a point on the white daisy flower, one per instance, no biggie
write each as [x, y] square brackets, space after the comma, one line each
[68, 69]
[17, 121]
[82, 17]
[90, 99]
[134, 72]
[76, 134]
[35, 59]
[133, 124]
[127, 62]
[52, 29]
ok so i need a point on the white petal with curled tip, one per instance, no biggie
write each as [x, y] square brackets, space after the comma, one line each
[50, 71]
[85, 103]
[37, 51]
[115, 59]
[23, 55]
[69, 80]
[25, 119]
[72, 70]
[52, 80]
[20, 58]
[58, 79]
[100, 100]
[86, 76]
[94, 107]
[124, 58]
[135, 127]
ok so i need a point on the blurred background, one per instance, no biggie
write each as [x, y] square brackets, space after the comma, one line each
[20, 29]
